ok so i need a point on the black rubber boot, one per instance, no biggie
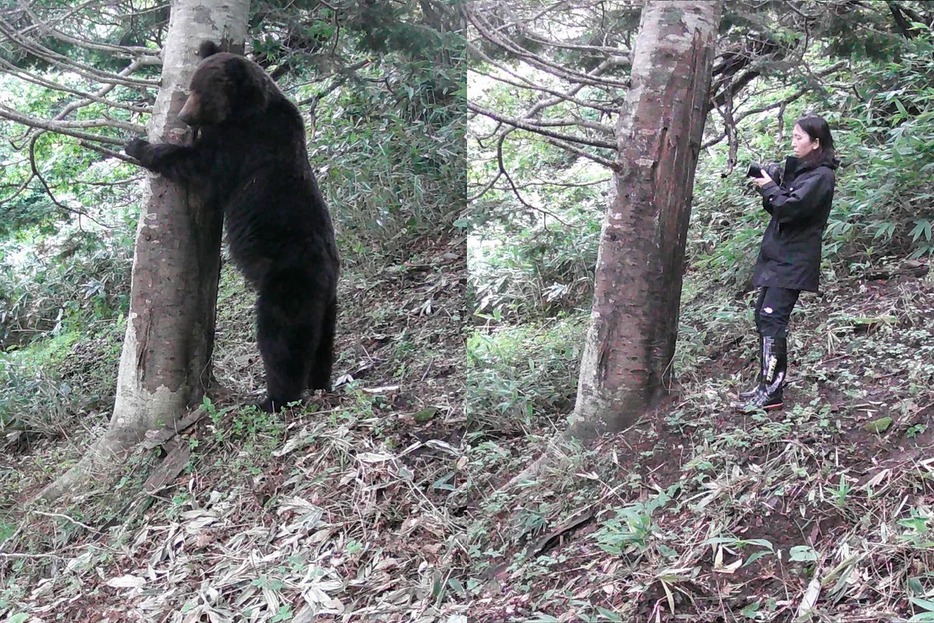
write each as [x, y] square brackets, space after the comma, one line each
[746, 395]
[774, 367]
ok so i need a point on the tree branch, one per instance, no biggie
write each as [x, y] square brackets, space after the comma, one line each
[58, 126]
[48, 191]
[737, 117]
[108, 152]
[499, 172]
[146, 55]
[898, 14]
[97, 97]
[610, 164]
[14, 71]
[483, 27]
[535, 127]
[62, 61]
[525, 83]
[515, 190]
[335, 84]
[18, 192]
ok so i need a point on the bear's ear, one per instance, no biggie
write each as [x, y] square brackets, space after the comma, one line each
[208, 48]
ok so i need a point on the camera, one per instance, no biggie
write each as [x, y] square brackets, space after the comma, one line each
[773, 169]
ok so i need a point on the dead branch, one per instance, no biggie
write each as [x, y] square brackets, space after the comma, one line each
[538, 127]
[486, 30]
[61, 127]
[63, 62]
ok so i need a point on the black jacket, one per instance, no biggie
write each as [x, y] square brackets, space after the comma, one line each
[791, 246]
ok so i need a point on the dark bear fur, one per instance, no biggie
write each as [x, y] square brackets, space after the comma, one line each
[249, 159]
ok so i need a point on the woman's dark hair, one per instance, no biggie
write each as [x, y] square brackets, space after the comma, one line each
[816, 127]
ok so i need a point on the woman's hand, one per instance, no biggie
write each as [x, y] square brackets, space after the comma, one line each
[762, 181]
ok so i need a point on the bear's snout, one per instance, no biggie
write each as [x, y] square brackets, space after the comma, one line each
[189, 112]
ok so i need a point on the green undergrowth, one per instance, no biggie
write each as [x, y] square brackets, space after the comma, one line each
[521, 377]
[47, 387]
[64, 295]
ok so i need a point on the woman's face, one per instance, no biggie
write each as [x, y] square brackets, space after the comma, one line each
[801, 142]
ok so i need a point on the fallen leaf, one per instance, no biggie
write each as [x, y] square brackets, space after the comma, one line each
[879, 426]
[126, 581]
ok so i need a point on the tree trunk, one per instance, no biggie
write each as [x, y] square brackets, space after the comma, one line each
[626, 363]
[165, 362]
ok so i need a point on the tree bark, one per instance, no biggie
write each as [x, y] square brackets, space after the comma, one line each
[627, 357]
[166, 356]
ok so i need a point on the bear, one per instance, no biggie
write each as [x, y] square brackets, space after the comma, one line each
[248, 158]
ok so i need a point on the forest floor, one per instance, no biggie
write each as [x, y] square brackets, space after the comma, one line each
[381, 502]
[823, 511]
[338, 510]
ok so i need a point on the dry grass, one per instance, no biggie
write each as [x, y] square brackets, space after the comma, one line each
[377, 504]
[698, 514]
[344, 510]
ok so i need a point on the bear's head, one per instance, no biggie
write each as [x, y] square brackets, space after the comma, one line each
[225, 87]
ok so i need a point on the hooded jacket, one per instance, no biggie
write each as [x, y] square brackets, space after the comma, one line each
[790, 254]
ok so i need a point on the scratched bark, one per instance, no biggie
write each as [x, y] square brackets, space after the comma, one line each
[626, 364]
[170, 330]
[166, 355]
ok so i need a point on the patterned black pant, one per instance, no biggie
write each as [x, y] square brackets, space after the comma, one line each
[773, 310]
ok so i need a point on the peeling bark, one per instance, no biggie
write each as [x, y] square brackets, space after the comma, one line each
[165, 363]
[626, 363]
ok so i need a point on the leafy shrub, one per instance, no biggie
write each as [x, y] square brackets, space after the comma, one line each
[53, 284]
[538, 273]
[889, 134]
[47, 386]
[391, 159]
[516, 376]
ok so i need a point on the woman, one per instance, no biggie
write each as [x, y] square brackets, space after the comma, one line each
[790, 253]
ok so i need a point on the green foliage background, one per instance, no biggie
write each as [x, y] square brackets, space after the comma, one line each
[531, 259]
[384, 87]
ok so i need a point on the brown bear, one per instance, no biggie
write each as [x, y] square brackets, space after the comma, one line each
[249, 159]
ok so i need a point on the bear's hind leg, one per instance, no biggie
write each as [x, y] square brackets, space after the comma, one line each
[320, 374]
[287, 333]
